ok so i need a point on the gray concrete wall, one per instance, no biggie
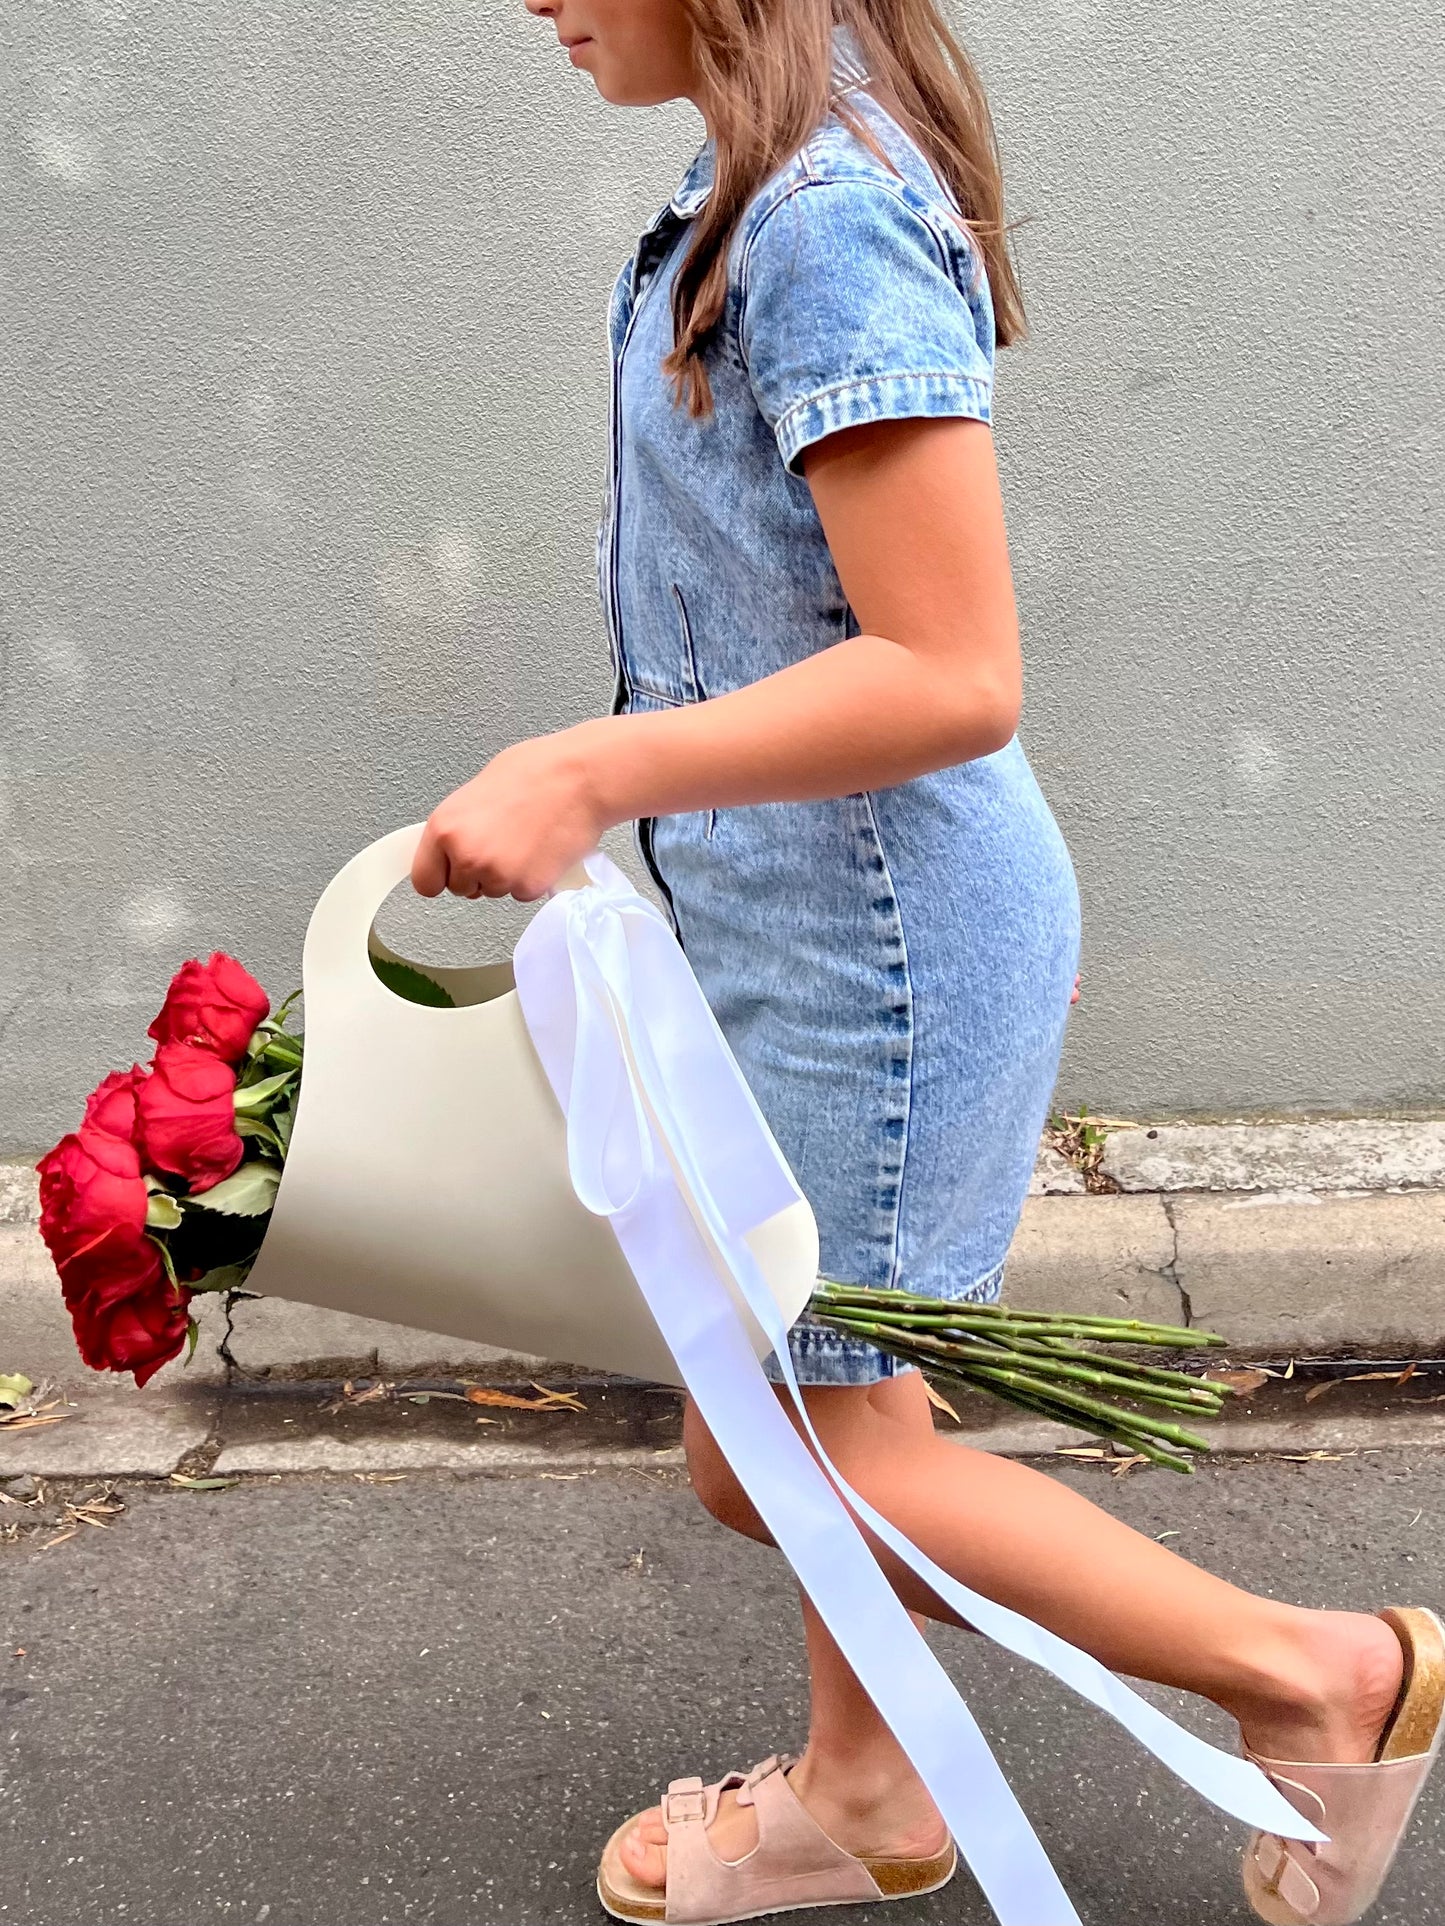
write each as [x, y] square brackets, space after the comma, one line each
[302, 443]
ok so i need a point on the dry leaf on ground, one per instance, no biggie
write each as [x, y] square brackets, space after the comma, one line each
[96, 1509]
[544, 1401]
[940, 1403]
[24, 1405]
[1242, 1383]
[1126, 1465]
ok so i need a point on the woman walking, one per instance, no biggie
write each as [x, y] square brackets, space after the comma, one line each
[818, 687]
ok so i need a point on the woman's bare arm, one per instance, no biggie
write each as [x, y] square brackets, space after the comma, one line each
[913, 517]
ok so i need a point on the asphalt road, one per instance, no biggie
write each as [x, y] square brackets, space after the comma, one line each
[330, 1702]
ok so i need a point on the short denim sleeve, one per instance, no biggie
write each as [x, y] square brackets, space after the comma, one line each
[851, 313]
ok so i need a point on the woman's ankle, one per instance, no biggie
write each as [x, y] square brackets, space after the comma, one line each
[859, 1787]
[1316, 1685]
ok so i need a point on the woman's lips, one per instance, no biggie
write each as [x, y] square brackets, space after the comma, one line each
[574, 47]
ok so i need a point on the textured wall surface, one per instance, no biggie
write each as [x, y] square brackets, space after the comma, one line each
[302, 442]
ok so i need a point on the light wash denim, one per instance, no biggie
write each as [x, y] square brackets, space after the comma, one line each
[892, 968]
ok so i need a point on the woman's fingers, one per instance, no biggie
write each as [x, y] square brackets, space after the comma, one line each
[467, 859]
[430, 870]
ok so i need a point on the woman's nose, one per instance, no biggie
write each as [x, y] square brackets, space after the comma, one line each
[544, 9]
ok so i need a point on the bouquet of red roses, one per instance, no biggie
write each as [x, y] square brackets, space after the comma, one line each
[166, 1190]
[166, 1187]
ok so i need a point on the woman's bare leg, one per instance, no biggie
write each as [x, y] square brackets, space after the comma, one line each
[1302, 1684]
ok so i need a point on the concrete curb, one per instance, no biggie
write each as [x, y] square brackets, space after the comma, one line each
[113, 1433]
[1291, 1241]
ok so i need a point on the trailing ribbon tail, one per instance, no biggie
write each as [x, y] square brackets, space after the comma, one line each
[682, 1165]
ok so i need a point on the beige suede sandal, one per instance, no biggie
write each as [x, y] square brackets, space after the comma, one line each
[793, 1866]
[1364, 1808]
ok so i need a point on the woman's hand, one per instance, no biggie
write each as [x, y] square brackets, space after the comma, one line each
[518, 826]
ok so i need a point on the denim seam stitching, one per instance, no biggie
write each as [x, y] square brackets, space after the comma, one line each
[970, 384]
[657, 695]
[895, 1256]
[689, 654]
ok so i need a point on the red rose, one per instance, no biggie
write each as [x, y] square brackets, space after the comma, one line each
[216, 1005]
[103, 1272]
[111, 1105]
[135, 1322]
[93, 1199]
[187, 1115]
[91, 1184]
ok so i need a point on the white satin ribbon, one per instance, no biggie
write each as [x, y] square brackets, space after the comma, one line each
[665, 1139]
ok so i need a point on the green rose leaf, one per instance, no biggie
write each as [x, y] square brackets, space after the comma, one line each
[262, 1132]
[279, 1014]
[252, 1098]
[193, 1331]
[163, 1212]
[281, 1122]
[287, 1051]
[247, 1192]
[410, 984]
[226, 1277]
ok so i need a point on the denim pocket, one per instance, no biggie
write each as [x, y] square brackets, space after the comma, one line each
[692, 681]
[693, 690]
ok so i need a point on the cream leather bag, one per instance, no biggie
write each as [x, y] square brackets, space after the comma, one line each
[427, 1177]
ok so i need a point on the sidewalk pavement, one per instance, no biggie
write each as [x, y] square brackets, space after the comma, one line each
[1294, 1241]
[340, 1702]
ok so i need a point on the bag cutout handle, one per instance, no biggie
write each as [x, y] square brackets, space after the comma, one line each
[336, 954]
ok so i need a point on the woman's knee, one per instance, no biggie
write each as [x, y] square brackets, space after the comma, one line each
[716, 1483]
[857, 1436]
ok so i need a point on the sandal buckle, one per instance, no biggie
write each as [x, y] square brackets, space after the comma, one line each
[685, 1807]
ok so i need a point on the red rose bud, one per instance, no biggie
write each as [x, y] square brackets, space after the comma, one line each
[92, 1195]
[188, 1115]
[216, 1005]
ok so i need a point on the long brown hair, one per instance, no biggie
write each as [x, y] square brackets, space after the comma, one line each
[766, 67]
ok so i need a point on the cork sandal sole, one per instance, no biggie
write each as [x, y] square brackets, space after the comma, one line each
[1420, 1709]
[625, 1898]
[1409, 1746]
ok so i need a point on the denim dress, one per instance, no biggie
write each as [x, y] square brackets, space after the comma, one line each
[891, 968]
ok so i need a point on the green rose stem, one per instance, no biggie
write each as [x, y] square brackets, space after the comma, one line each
[1176, 1389]
[979, 1359]
[934, 1310]
[1148, 1436]
[1035, 1360]
[1001, 1332]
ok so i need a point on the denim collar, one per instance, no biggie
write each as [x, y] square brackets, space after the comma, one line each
[849, 70]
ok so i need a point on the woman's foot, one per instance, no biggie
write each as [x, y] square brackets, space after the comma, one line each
[1331, 1694]
[878, 1819]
